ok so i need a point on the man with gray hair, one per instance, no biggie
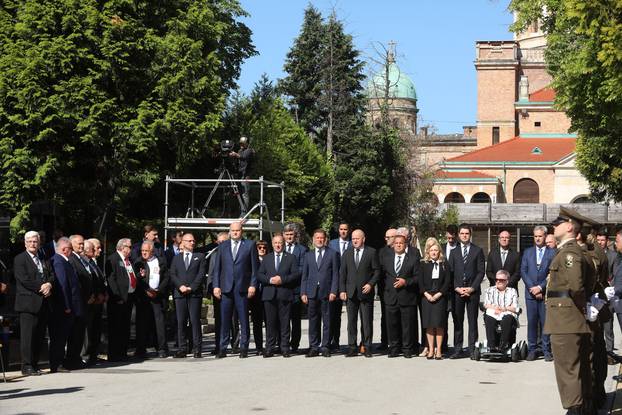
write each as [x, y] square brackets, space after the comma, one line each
[534, 270]
[33, 279]
[122, 284]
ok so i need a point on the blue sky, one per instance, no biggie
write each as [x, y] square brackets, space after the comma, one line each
[435, 44]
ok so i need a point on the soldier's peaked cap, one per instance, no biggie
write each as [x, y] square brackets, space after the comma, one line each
[571, 215]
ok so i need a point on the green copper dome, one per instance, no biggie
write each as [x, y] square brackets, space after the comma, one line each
[400, 85]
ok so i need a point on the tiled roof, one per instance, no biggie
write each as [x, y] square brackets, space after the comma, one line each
[545, 94]
[471, 174]
[525, 150]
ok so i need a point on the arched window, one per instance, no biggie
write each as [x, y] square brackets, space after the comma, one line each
[480, 197]
[526, 191]
[454, 197]
[582, 199]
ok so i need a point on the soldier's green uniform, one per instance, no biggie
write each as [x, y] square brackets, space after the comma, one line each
[568, 289]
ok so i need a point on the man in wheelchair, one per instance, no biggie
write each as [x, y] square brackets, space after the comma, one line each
[500, 315]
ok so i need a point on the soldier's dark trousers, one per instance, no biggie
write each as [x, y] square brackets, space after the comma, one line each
[572, 367]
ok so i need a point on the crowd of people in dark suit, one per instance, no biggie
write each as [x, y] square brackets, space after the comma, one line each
[62, 287]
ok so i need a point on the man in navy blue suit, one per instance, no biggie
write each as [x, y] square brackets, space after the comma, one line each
[235, 281]
[279, 276]
[67, 303]
[319, 288]
[534, 270]
[292, 247]
[467, 266]
[340, 245]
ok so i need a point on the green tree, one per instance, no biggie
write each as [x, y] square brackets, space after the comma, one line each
[283, 153]
[100, 99]
[584, 56]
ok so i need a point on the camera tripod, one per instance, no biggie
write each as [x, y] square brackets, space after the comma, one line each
[225, 176]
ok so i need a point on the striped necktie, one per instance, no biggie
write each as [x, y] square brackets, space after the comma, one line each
[465, 253]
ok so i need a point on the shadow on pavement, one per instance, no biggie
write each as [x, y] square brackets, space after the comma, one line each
[42, 392]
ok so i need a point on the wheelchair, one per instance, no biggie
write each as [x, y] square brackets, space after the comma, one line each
[516, 352]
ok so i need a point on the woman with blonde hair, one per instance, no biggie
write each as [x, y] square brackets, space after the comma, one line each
[434, 286]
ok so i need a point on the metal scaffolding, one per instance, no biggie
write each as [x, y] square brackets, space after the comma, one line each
[256, 219]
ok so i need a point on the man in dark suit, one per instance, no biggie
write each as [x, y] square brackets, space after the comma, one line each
[602, 239]
[122, 284]
[358, 274]
[188, 274]
[33, 289]
[173, 248]
[385, 251]
[340, 245]
[92, 251]
[451, 235]
[467, 266]
[534, 270]
[150, 233]
[67, 303]
[279, 275]
[235, 281]
[400, 274]
[153, 284]
[319, 288]
[505, 258]
[83, 270]
[292, 247]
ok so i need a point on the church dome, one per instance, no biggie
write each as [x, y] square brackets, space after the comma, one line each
[400, 85]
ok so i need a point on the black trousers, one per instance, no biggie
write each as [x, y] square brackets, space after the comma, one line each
[471, 305]
[60, 328]
[384, 336]
[599, 364]
[93, 329]
[75, 343]
[508, 326]
[319, 323]
[278, 315]
[334, 310]
[143, 322]
[32, 334]
[256, 309]
[296, 316]
[119, 322]
[400, 324]
[189, 308]
[366, 308]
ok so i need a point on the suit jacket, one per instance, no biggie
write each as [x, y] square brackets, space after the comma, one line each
[617, 283]
[193, 277]
[352, 279]
[143, 282]
[319, 282]
[299, 252]
[426, 282]
[169, 254]
[84, 276]
[242, 271]
[471, 273]
[529, 271]
[410, 271]
[512, 265]
[334, 244]
[100, 285]
[118, 279]
[290, 276]
[28, 282]
[66, 291]
[611, 260]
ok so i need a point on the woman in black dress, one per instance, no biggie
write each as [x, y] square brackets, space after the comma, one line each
[434, 285]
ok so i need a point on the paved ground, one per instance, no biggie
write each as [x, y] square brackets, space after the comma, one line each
[295, 386]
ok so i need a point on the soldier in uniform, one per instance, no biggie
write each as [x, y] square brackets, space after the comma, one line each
[599, 267]
[568, 290]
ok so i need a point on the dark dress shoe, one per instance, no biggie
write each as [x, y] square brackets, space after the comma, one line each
[235, 350]
[243, 354]
[259, 352]
[549, 358]
[268, 354]
[352, 352]
[456, 355]
[531, 357]
[197, 355]
[57, 369]
[326, 353]
[312, 353]
[393, 354]
[162, 354]
[180, 354]
[29, 371]
[221, 355]
[408, 355]
[368, 353]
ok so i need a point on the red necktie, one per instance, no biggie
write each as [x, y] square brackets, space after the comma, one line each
[132, 276]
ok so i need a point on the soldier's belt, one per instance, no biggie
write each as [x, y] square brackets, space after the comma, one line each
[558, 294]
